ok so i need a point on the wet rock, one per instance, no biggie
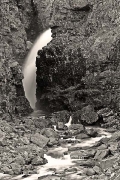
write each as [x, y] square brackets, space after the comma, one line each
[38, 161]
[82, 136]
[61, 126]
[82, 154]
[39, 140]
[49, 132]
[74, 132]
[97, 169]
[79, 127]
[74, 148]
[70, 169]
[90, 172]
[48, 177]
[88, 115]
[52, 141]
[86, 163]
[101, 154]
[91, 132]
[102, 147]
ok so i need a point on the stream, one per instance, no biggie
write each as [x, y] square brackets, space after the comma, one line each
[60, 163]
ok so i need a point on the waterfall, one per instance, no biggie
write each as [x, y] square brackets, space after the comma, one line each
[29, 69]
[69, 122]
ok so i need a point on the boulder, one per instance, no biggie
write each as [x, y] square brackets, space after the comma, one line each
[38, 161]
[82, 154]
[90, 172]
[86, 163]
[52, 141]
[61, 126]
[88, 115]
[97, 169]
[42, 122]
[102, 147]
[82, 136]
[79, 127]
[39, 140]
[60, 116]
[101, 154]
[49, 132]
[91, 132]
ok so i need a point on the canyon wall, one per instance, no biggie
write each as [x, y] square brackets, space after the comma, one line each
[19, 27]
[81, 65]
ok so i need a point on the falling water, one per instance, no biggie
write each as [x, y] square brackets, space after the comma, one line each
[69, 122]
[29, 69]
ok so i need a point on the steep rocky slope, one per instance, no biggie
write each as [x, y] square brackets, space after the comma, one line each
[17, 30]
[81, 65]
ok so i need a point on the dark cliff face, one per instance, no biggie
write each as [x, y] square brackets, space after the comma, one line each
[16, 18]
[81, 65]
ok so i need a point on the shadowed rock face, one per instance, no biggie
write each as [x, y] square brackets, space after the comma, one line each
[58, 74]
[81, 65]
[13, 39]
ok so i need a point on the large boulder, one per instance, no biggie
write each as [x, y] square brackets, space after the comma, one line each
[39, 140]
[48, 132]
[60, 116]
[88, 115]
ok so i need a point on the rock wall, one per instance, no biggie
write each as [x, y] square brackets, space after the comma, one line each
[81, 65]
[17, 17]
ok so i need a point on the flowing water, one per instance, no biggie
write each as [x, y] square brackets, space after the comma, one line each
[29, 69]
[63, 161]
[57, 161]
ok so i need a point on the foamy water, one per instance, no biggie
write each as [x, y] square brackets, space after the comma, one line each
[61, 162]
[69, 122]
[64, 161]
[29, 69]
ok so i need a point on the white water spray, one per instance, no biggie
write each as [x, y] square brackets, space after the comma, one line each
[69, 122]
[29, 69]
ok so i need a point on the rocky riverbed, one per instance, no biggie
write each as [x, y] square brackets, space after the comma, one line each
[41, 147]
